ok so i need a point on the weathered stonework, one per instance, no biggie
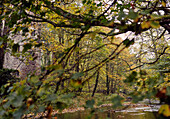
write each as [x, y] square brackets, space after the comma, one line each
[26, 66]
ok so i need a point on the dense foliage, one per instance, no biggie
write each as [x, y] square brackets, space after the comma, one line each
[82, 51]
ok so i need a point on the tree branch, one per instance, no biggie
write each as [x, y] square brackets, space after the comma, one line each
[66, 14]
[40, 19]
[114, 2]
[163, 52]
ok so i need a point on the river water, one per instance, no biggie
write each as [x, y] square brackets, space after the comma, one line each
[134, 112]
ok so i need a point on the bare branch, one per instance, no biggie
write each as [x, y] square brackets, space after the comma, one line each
[107, 9]
[144, 63]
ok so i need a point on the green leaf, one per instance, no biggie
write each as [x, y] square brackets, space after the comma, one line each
[116, 100]
[34, 79]
[168, 91]
[15, 48]
[90, 103]
[89, 2]
[18, 113]
[100, 103]
[58, 12]
[141, 0]
[132, 14]
[60, 72]
[84, 1]
[47, 2]
[41, 108]
[24, 30]
[145, 12]
[67, 96]
[77, 75]
[137, 98]
[12, 96]
[143, 72]
[38, 45]
[26, 47]
[128, 42]
[18, 100]
[6, 105]
[112, 32]
[51, 97]
[1, 41]
[57, 66]
[61, 105]
[100, 4]
[2, 112]
[121, 15]
[132, 77]
[155, 24]
[155, 16]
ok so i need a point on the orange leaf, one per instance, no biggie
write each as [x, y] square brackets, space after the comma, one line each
[161, 93]
[49, 112]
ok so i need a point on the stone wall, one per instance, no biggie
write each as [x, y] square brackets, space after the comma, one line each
[24, 66]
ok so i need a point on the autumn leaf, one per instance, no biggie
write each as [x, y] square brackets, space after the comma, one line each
[111, 23]
[29, 102]
[163, 4]
[161, 93]
[165, 110]
[145, 24]
[49, 112]
[75, 83]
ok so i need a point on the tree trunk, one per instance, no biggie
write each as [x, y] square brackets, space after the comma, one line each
[2, 54]
[95, 87]
[112, 79]
[3, 31]
[114, 88]
[107, 79]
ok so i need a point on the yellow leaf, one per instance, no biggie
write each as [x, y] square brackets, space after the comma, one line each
[29, 102]
[76, 83]
[145, 24]
[1, 46]
[165, 110]
[163, 4]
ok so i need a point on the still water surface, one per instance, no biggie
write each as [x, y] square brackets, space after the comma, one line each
[131, 113]
[107, 115]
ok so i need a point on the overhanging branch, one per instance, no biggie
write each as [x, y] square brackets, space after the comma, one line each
[144, 63]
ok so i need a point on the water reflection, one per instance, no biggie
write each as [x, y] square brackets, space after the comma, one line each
[138, 111]
[107, 115]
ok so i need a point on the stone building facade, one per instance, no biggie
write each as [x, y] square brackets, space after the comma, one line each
[23, 65]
